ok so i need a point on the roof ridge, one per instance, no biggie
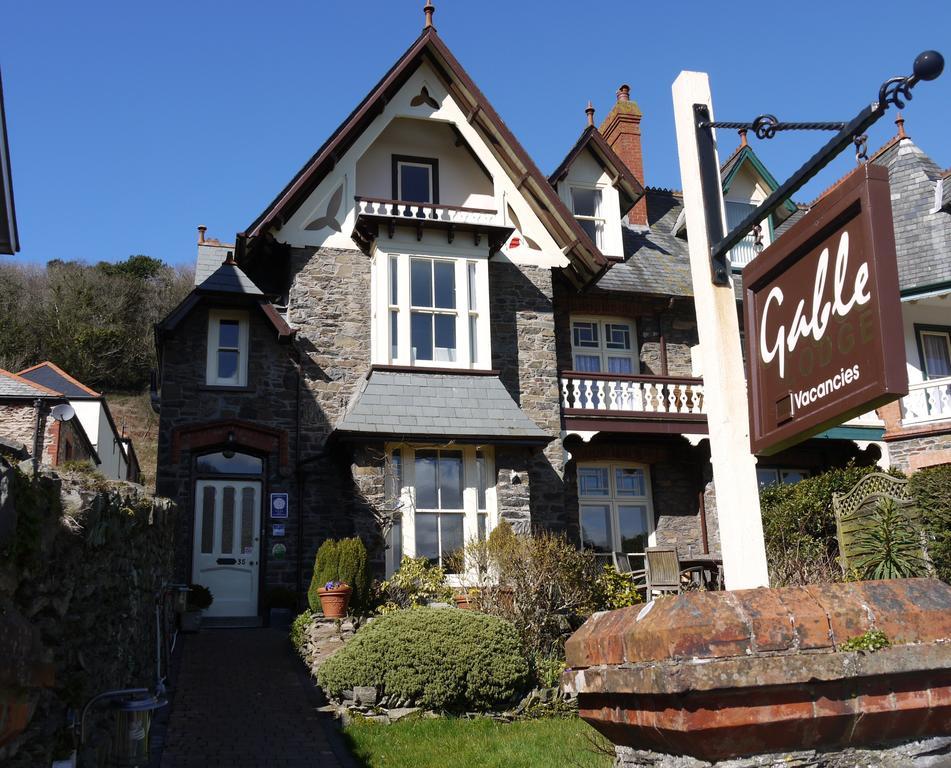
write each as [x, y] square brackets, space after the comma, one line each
[33, 384]
[61, 372]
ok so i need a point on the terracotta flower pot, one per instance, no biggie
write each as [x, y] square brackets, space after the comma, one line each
[465, 602]
[334, 602]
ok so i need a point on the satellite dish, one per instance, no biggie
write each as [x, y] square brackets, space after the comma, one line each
[62, 412]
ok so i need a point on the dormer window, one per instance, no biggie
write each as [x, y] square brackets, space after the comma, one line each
[227, 359]
[586, 206]
[744, 252]
[415, 179]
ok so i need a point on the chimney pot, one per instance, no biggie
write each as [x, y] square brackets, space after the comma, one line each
[201, 232]
[743, 142]
[624, 93]
[900, 122]
[229, 258]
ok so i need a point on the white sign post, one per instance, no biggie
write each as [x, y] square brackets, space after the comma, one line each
[734, 467]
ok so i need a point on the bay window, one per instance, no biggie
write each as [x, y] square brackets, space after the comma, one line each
[436, 310]
[615, 509]
[446, 499]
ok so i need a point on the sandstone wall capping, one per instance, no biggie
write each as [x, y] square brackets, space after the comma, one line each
[721, 675]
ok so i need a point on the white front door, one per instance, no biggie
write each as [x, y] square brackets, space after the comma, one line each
[227, 544]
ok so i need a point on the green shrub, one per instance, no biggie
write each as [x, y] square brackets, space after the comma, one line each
[548, 670]
[888, 546]
[297, 630]
[799, 527]
[199, 597]
[931, 490]
[615, 590]
[417, 583]
[345, 561]
[440, 658]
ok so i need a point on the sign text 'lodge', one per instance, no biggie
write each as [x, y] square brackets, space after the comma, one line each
[823, 317]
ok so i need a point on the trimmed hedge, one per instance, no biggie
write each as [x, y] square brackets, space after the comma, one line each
[344, 561]
[931, 490]
[438, 658]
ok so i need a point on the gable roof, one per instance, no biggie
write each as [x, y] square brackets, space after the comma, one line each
[585, 260]
[627, 184]
[13, 385]
[56, 379]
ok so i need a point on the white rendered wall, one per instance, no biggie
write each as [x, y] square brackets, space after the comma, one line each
[92, 416]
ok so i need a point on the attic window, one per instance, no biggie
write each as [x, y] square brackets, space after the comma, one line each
[415, 179]
[586, 206]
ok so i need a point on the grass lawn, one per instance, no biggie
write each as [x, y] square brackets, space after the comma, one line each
[450, 742]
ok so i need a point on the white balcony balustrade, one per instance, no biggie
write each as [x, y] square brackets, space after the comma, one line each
[645, 396]
[448, 214]
[927, 401]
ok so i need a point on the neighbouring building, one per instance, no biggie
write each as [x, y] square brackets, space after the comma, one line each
[116, 459]
[29, 427]
[423, 335]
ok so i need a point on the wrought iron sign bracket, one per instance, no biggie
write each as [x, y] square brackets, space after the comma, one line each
[895, 90]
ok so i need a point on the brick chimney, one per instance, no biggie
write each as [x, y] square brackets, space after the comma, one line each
[622, 130]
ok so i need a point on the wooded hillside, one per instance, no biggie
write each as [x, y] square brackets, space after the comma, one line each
[94, 321]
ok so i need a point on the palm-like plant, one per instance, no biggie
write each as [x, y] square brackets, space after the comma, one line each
[888, 546]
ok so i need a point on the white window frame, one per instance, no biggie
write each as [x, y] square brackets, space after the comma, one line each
[240, 379]
[927, 375]
[613, 500]
[598, 218]
[739, 252]
[399, 177]
[602, 351]
[469, 315]
[779, 475]
[470, 496]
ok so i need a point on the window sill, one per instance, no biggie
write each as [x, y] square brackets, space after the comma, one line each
[434, 369]
[224, 388]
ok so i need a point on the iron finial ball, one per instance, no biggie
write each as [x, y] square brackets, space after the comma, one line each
[928, 65]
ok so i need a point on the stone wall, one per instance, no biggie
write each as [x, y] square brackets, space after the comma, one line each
[61, 440]
[17, 423]
[525, 353]
[914, 453]
[77, 587]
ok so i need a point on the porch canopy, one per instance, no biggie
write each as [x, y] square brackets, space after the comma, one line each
[467, 407]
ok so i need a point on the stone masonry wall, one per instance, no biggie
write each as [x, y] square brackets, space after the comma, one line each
[914, 453]
[16, 423]
[77, 588]
[524, 352]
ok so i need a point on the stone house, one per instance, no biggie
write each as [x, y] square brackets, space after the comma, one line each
[423, 335]
[28, 426]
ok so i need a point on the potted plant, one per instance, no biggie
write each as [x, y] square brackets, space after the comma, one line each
[467, 600]
[199, 599]
[340, 564]
[334, 599]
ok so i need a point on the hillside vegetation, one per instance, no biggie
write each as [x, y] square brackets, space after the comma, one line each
[93, 321]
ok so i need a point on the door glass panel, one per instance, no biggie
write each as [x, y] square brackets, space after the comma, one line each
[445, 273]
[247, 521]
[450, 480]
[452, 540]
[421, 332]
[427, 536]
[593, 481]
[227, 520]
[238, 464]
[632, 525]
[207, 520]
[426, 497]
[421, 282]
[596, 527]
[629, 481]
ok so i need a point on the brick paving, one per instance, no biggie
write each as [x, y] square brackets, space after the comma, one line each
[244, 700]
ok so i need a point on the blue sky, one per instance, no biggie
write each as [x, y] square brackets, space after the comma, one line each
[131, 123]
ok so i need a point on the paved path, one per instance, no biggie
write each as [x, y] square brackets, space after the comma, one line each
[243, 700]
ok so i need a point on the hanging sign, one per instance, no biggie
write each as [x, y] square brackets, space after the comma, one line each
[278, 505]
[824, 339]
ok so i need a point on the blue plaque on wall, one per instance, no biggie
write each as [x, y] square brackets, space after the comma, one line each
[279, 505]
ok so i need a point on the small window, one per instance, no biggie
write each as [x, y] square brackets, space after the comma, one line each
[415, 179]
[229, 463]
[744, 252]
[227, 363]
[586, 206]
[615, 508]
[603, 346]
[934, 344]
[786, 475]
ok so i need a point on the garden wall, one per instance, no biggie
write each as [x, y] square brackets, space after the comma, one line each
[78, 577]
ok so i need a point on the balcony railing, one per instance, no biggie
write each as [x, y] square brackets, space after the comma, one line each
[609, 394]
[927, 401]
[449, 214]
